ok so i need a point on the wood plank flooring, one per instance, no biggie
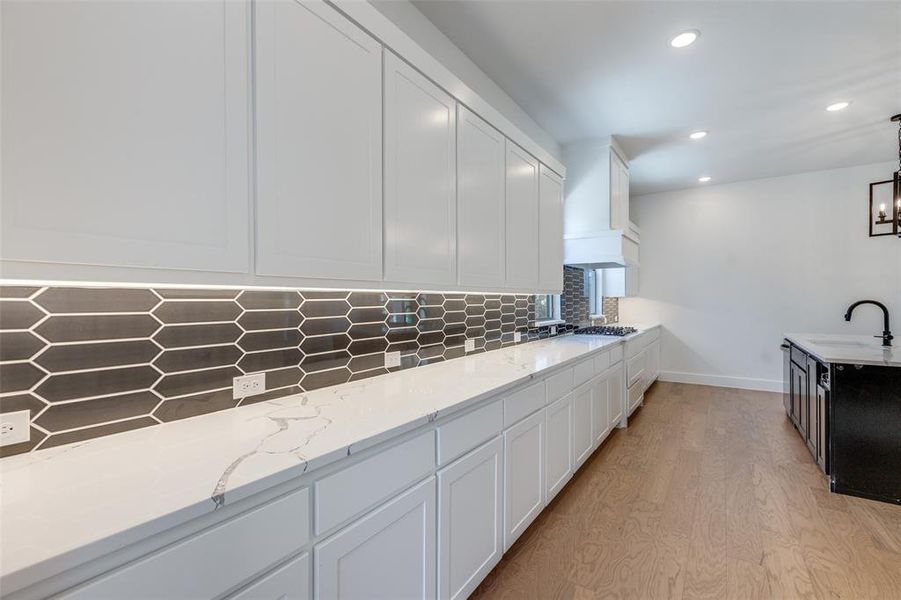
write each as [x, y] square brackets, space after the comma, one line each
[710, 493]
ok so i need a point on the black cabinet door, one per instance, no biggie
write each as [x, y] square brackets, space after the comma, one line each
[865, 431]
[799, 398]
[821, 428]
[786, 378]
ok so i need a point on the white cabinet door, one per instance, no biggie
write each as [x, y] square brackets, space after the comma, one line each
[125, 134]
[600, 409]
[558, 446]
[480, 201]
[654, 360]
[420, 178]
[619, 193]
[470, 519]
[522, 218]
[550, 235]
[291, 581]
[319, 143]
[582, 438]
[616, 397]
[523, 475]
[389, 553]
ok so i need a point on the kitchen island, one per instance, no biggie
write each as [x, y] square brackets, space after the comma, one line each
[843, 395]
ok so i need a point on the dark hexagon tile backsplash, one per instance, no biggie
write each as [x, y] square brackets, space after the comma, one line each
[93, 361]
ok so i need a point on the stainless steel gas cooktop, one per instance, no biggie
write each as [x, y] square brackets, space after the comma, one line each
[605, 330]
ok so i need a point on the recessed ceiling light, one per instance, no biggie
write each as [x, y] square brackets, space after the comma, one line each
[704, 179]
[697, 135]
[686, 38]
[837, 106]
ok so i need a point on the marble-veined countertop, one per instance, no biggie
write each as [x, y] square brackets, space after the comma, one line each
[848, 349]
[65, 506]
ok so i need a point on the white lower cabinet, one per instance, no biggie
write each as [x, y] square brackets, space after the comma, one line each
[211, 563]
[616, 403]
[558, 446]
[290, 581]
[470, 519]
[600, 409]
[523, 475]
[582, 439]
[389, 553]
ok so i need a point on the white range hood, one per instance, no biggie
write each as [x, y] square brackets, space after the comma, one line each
[600, 250]
[597, 230]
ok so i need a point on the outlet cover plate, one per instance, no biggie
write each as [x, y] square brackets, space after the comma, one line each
[248, 385]
[15, 427]
[553, 330]
[469, 346]
[392, 359]
[517, 337]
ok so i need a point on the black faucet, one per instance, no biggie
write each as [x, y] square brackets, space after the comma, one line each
[886, 336]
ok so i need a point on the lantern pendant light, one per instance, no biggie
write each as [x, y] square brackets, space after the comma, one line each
[885, 199]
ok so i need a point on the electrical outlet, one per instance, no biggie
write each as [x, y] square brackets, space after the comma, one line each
[469, 346]
[553, 330]
[517, 337]
[15, 427]
[392, 359]
[248, 385]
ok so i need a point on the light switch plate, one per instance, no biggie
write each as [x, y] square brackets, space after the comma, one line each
[15, 427]
[517, 337]
[392, 359]
[469, 346]
[248, 385]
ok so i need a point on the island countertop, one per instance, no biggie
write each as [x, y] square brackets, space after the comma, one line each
[847, 349]
[68, 505]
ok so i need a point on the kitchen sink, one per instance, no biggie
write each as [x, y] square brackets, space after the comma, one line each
[841, 343]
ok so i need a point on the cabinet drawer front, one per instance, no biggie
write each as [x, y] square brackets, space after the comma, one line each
[466, 432]
[800, 357]
[601, 363]
[635, 367]
[523, 403]
[389, 553]
[219, 558]
[559, 385]
[349, 492]
[291, 581]
[616, 354]
[583, 371]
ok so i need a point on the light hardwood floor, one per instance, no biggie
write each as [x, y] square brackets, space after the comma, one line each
[709, 493]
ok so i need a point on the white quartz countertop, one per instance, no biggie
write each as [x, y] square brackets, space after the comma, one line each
[65, 506]
[848, 349]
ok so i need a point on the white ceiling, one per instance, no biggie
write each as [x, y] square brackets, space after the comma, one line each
[758, 79]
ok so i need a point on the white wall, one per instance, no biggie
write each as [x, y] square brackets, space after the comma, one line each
[727, 269]
[408, 18]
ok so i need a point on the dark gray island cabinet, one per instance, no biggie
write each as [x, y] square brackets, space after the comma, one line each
[843, 395]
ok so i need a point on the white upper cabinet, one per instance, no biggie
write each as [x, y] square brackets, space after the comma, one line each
[522, 218]
[420, 178]
[319, 143]
[550, 218]
[619, 193]
[125, 134]
[480, 201]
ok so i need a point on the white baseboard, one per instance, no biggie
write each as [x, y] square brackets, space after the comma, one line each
[742, 383]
